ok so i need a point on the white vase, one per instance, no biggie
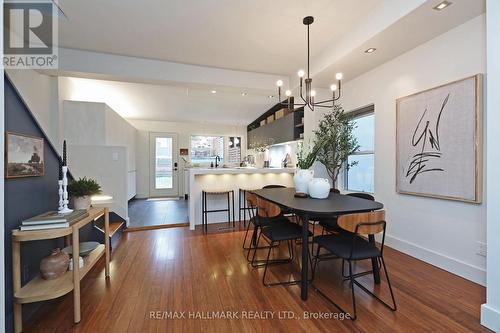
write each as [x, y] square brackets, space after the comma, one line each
[319, 188]
[301, 179]
[82, 202]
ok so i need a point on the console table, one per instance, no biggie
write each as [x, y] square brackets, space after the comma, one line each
[39, 289]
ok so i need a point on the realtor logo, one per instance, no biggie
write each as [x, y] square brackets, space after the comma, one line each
[30, 34]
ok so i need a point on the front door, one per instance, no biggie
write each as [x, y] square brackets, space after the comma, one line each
[163, 152]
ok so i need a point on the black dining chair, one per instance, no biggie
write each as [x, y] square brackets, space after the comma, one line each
[352, 247]
[256, 222]
[330, 225]
[278, 231]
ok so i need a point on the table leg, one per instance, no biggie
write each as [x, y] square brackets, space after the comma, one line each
[16, 280]
[305, 256]
[106, 240]
[76, 276]
[376, 272]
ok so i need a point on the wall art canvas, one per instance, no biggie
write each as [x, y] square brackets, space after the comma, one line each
[439, 141]
[24, 155]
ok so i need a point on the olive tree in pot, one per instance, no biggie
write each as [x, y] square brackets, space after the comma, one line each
[336, 133]
[81, 191]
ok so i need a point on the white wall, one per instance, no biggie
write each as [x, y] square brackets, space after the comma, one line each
[185, 130]
[106, 164]
[441, 232]
[88, 124]
[40, 93]
[490, 312]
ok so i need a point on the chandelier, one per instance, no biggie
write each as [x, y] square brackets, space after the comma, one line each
[308, 97]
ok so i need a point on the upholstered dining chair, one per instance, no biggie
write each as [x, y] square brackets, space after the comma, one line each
[352, 247]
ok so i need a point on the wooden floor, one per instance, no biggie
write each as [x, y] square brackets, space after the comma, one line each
[179, 270]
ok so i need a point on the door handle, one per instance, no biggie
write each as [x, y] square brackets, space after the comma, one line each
[175, 166]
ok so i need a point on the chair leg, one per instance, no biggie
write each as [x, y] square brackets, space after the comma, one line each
[232, 196]
[353, 317]
[394, 307]
[245, 239]
[362, 287]
[239, 205]
[228, 211]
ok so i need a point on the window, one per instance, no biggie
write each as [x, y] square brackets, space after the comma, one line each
[360, 178]
[204, 149]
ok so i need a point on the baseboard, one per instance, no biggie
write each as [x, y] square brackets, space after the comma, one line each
[452, 265]
[490, 317]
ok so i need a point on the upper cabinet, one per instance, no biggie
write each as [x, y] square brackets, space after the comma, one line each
[277, 125]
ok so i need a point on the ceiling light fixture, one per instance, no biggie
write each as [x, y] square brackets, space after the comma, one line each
[308, 98]
[370, 50]
[214, 91]
[442, 5]
[270, 96]
[243, 94]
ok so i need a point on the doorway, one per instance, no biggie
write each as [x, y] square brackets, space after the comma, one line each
[163, 155]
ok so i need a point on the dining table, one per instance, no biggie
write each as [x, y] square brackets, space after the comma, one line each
[310, 208]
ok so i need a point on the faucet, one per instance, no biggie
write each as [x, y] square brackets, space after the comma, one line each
[217, 160]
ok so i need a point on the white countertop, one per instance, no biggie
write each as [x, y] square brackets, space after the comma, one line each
[234, 171]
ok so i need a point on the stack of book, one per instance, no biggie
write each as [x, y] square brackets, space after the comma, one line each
[53, 220]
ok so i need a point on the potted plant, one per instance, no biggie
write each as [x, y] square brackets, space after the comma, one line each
[305, 160]
[81, 190]
[336, 134]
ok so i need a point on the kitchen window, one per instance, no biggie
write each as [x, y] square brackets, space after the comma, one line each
[204, 149]
[360, 178]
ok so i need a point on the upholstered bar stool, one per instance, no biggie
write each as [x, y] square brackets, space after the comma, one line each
[242, 204]
[204, 206]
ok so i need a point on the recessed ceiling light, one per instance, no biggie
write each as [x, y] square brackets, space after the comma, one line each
[370, 50]
[442, 5]
[214, 91]
[243, 94]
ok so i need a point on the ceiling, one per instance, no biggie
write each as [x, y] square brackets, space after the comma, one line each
[168, 103]
[259, 35]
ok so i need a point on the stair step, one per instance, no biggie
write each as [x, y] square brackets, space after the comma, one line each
[113, 226]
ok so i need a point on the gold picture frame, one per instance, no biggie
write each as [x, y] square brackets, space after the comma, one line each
[24, 155]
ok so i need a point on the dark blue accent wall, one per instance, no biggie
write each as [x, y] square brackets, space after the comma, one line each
[26, 197]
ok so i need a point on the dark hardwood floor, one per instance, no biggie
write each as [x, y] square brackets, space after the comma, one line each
[144, 213]
[181, 270]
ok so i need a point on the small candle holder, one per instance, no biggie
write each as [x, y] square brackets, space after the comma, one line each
[65, 208]
[61, 199]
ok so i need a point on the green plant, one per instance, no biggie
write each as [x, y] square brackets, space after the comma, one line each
[83, 186]
[336, 134]
[307, 157]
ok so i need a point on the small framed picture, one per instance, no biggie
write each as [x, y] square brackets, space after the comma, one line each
[24, 156]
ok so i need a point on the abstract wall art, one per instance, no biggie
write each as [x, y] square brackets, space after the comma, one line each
[439, 141]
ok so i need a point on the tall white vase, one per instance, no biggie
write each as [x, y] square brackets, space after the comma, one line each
[301, 179]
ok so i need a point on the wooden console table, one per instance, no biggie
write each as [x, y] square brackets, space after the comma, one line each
[39, 289]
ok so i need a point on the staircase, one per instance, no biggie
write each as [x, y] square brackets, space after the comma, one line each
[116, 227]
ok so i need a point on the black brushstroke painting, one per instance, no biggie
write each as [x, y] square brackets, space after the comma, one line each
[426, 139]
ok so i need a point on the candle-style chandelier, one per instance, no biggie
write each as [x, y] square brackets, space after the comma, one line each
[308, 99]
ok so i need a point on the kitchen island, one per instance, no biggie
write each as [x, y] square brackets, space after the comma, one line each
[228, 179]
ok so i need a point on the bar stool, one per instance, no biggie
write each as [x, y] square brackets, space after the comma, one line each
[205, 211]
[242, 204]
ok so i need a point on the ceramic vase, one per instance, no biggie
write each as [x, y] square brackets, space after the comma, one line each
[319, 188]
[55, 265]
[301, 179]
[82, 202]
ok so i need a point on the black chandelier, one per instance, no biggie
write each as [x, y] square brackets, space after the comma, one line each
[308, 99]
